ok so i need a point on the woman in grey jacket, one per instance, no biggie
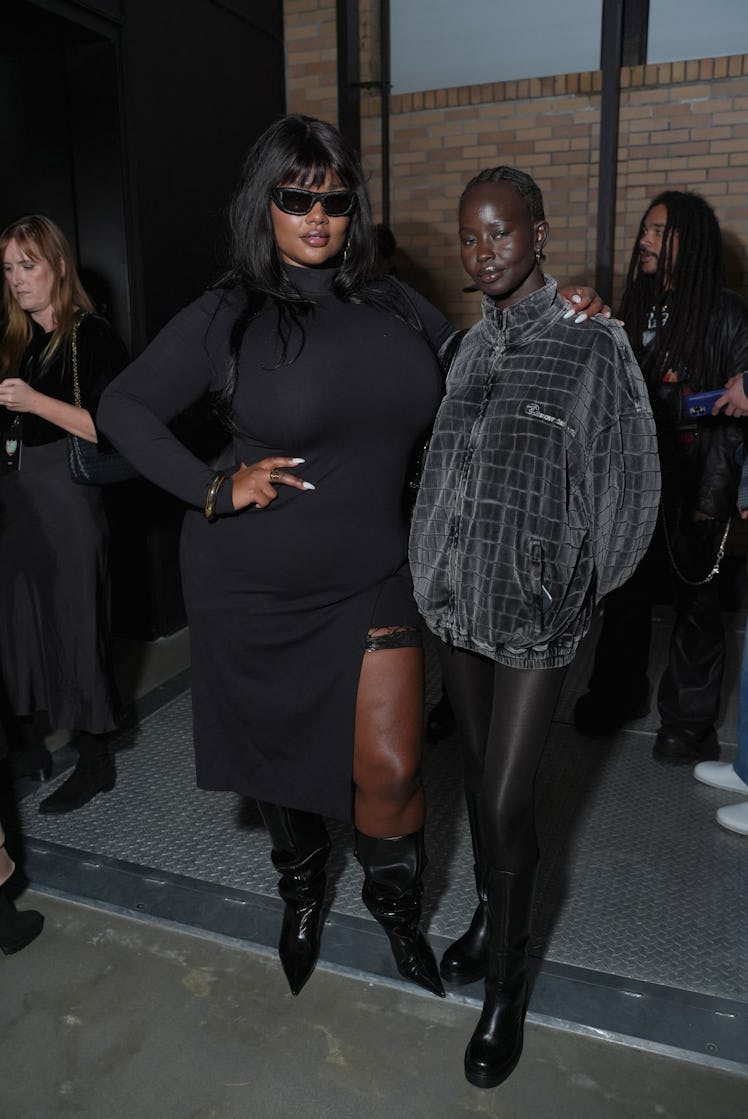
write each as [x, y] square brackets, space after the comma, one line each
[539, 495]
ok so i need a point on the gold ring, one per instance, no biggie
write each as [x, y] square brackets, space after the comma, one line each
[275, 474]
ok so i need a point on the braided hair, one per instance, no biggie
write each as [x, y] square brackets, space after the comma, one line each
[524, 184]
[678, 300]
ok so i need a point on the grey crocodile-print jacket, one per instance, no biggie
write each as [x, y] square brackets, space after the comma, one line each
[541, 486]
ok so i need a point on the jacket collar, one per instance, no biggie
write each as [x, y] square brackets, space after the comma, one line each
[524, 319]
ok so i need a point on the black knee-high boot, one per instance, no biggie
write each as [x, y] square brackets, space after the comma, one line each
[496, 1045]
[392, 891]
[17, 929]
[94, 773]
[301, 846]
[465, 960]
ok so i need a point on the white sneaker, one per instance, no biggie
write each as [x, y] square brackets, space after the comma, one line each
[734, 817]
[720, 775]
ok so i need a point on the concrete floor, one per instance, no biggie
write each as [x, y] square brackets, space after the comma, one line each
[110, 1017]
[107, 1016]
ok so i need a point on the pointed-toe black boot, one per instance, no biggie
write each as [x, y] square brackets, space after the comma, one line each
[392, 891]
[496, 1045]
[94, 773]
[301, 847]
[17, 929]
[465, 960]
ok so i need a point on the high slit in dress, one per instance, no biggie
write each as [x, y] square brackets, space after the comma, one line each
[280, 600]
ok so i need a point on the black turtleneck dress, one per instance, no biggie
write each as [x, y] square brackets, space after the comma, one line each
[280, 600]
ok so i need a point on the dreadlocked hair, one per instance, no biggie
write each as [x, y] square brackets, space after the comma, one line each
[678, 299]
[524, 184]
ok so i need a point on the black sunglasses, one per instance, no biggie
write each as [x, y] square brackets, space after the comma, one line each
[294, 200]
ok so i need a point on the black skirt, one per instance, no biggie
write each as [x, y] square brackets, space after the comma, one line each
[54, 598]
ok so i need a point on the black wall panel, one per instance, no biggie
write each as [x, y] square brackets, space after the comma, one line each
[126, 121]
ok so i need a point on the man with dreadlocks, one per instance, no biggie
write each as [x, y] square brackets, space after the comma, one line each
[689, 335]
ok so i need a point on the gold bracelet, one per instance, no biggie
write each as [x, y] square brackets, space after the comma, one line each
[212, 496]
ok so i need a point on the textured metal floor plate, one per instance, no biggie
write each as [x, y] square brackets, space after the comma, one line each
[637, 881]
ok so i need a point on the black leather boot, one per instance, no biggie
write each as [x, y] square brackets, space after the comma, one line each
[301, 847]
[496, 1045]
[27, 756]
[392, 891]
[36, 765]
[17, 929]
[465, 960]
[94, 773]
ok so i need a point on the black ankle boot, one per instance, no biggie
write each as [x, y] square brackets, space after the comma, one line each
[496, 1045]
[35, 765]
[27, 756]
[465, 960]
[17, 929]
[392, 891]
[301, 846]
[94, 773]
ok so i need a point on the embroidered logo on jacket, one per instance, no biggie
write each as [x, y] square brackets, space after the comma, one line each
[534, 410]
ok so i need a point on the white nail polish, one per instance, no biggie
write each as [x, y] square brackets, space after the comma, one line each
[309, 486]
[580, 317]
[576, 298]
[297, 461]
[569, 314]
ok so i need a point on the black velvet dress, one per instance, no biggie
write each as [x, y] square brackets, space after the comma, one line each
[54, 597]
[280, 600]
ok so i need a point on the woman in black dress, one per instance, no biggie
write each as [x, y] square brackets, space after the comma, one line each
[306, 644]
[54, 641]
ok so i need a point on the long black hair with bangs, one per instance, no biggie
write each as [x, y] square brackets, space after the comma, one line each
[301, 150]
[296, 150]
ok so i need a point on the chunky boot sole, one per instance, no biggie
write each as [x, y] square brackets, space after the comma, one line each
[485, 1065]
[463, 975]
[496, 1045]
[488, 1078]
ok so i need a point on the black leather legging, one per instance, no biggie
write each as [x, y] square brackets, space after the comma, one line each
[503, 718]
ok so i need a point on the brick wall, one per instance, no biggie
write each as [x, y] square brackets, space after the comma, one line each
[311, 58]
[683, 126]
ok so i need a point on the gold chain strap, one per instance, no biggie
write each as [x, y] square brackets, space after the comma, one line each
[74, 355]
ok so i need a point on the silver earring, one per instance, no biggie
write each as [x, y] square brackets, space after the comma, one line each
[345, 251]
[538, 256]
